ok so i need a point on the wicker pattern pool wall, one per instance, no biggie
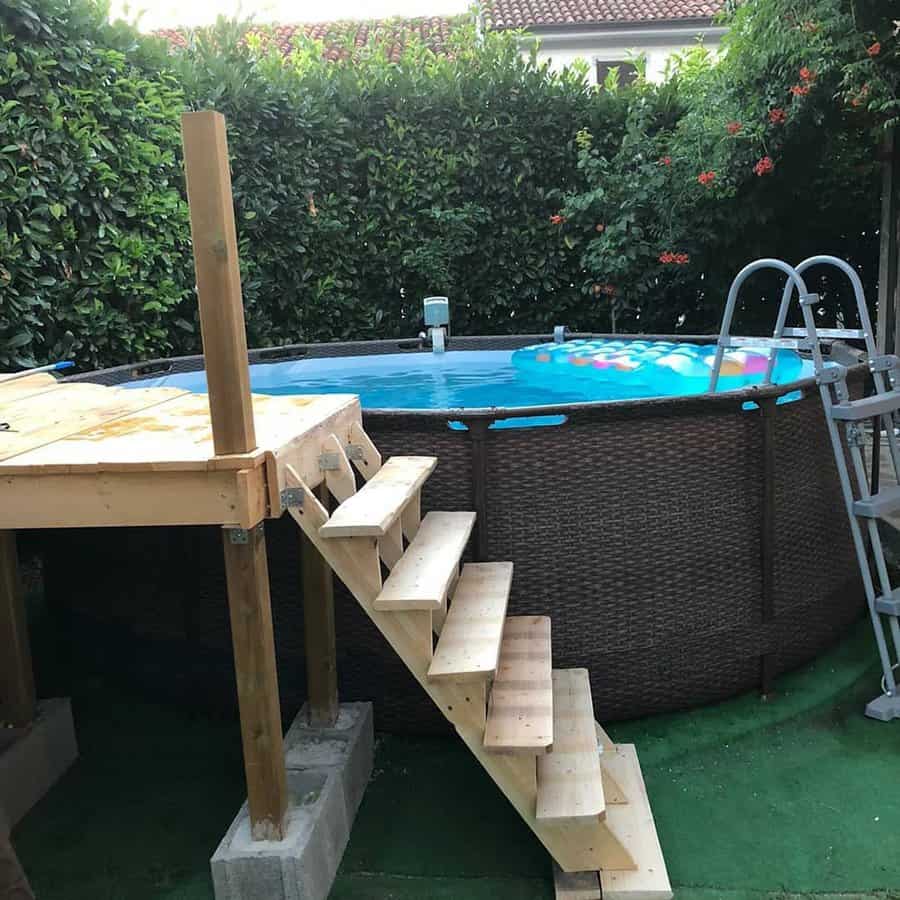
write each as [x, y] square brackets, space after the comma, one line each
[686, 549]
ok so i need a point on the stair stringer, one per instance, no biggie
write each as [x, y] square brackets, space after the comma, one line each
[577, 845]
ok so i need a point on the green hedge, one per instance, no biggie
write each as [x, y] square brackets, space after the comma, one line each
[363, 185]
[94, 257]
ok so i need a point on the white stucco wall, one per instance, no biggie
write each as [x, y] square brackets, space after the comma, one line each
[657, 42]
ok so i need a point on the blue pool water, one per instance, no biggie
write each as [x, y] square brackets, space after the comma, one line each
[453, 380]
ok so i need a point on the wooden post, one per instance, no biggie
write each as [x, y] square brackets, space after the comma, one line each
[17, 696]
[318, 631]
[231, 412]
[218, 281]
[888, 335]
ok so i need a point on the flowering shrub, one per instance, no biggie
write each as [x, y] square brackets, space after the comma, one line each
[783, 132]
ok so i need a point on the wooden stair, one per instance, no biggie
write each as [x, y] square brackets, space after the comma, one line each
[531, 728]
[520, 713]
[469, 646]
[570, 784]
[423, 576]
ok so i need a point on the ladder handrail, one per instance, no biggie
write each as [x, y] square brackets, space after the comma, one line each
[833, 388]
[794, 280]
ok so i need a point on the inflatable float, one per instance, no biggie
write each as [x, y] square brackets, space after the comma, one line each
[663, 367]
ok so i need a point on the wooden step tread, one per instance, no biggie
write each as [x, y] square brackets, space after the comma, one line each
[570, 784]
[520, 711]
[422, 578]
[373, 509]
[632, 823]
[469, 646]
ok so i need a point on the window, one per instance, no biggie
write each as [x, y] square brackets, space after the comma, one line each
[627, 70]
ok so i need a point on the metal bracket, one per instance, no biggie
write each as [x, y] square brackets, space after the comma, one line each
[291, 497]
[354, 451]
[329, 461]
[809, 299]
[831, 375]
[883, 363]
[855, 436]
[242, 535]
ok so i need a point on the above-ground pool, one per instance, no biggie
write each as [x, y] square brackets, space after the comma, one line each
[686, 548]
[458, 379]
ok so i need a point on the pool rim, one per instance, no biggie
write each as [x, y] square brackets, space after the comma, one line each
[138, 371]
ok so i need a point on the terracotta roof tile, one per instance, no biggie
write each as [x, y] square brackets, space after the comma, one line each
[341, 39]
[501, 14]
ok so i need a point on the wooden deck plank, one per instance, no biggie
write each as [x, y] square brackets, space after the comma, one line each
[520, 712]
[632, 823]
[422, 578]
[174, 433]
[373, 509]
[469, 646]
[43, 419]
[27, 387]
[570, 784]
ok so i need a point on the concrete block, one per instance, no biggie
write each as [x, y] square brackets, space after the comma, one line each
[33, 759]
[327, 773]
[348, 745]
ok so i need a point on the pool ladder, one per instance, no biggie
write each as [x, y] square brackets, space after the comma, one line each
[863, 507]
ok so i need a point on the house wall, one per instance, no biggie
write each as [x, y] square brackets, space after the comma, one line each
[562, 48]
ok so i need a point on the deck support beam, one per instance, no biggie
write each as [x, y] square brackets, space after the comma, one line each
[253, 640]
[214, 238]
[319, 631]
[17, 694]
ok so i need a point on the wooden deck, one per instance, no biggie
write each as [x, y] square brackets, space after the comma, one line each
[78, 454]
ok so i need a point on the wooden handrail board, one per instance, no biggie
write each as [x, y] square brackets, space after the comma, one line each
[469, 646]
[422, 578]
[373, 509]
[520, 711]
[570, 784]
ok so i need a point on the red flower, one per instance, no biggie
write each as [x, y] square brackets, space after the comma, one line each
[609, 290]
[777, 115]
[733, 127]
[807, 75]
[557, 220]
[706, 178]
[874, 50]
[764, 166]
[599, 228]
[666, 161]
[800, 90]
[679, 259]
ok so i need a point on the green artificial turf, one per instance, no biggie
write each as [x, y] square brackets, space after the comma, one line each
[798, 796]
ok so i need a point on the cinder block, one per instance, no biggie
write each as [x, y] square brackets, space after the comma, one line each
[36, 757]
[348, 745]
[327, 773]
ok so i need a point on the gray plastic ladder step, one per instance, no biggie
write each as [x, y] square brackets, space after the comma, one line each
[889, 605]
[847, 334]
[874, 405]
[886, 501]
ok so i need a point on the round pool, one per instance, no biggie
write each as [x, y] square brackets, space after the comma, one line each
[686, 548]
